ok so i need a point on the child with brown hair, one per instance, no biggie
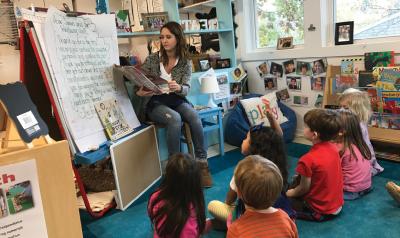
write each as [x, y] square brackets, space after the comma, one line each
[176, 208]
[355, 156]
[259, 183]
[358, 102]
[319, 194]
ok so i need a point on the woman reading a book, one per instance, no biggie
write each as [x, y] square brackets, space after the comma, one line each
[171, 109]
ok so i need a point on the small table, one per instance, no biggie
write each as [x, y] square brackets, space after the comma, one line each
[209, 123]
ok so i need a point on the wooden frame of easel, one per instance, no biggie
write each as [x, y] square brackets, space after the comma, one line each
[52, 160]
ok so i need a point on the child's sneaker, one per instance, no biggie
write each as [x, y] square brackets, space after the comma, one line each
[394, 191]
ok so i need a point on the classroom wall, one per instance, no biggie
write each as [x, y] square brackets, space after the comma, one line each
[9, 64]
[317, 45]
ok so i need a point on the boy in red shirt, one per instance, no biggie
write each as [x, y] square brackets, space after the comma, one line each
[319, 194]
[259, 183]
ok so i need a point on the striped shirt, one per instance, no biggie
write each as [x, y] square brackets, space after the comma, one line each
[256, 224]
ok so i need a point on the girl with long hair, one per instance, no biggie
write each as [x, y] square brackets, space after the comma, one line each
[355, 156]
[176, 208]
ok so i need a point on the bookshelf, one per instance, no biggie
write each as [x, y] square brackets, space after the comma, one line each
[383, 139]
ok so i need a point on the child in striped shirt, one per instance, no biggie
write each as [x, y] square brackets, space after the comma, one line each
[259, 184]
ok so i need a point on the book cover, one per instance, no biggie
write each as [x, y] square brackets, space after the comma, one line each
[344, 82]
[112, 119]
[378, 59]
[140, 77]
[374, 99]
[122, 21]
[391, 102]
[366, 79]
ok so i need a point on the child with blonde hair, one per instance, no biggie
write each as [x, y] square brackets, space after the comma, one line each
[176, 208]
[355, 156]
[319, 194]
[358, 102]
[259, 183]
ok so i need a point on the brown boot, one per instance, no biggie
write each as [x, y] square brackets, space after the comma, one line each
[206, 179]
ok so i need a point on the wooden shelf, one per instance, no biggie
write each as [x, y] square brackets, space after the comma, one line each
[384, 135]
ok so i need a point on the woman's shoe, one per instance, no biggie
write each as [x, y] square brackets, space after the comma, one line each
[206, 179]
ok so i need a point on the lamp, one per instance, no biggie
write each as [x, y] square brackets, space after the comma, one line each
[209, 85]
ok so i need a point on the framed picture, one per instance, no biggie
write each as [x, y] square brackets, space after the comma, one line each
[285, 43]
[223, 63]
[204, 65]
[154, 21]
[196, 61]
[344, 33]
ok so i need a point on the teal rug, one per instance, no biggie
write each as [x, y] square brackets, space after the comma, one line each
[375, 215]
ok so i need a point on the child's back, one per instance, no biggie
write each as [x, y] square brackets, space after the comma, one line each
[176, 209]
[322, 164]
[259, 183]
[356, 171]
[258, 224]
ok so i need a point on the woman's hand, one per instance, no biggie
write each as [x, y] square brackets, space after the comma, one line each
[174, 86]
[143, 92]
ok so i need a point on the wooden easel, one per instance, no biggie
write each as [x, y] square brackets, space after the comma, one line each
[53, 165]
[7, 135]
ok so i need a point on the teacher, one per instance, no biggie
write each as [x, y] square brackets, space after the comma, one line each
[170, 110]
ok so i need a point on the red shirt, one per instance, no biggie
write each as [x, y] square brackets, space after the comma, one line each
[322, 164]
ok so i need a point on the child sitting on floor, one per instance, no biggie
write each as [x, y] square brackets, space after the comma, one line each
[267, 142]
[259, 184]
[358, 102]
[355, 156]
[176, 208]
[319, 194]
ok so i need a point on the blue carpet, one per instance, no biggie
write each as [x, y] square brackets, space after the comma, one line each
[375, 215]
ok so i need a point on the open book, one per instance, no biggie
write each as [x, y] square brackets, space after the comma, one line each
[141, 77]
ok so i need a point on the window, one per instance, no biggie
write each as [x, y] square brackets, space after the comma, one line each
[372, 18]
[278, 18]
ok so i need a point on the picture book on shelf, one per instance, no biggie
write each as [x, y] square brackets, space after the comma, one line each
[112, 119]
[380, 59]
[391, 102]
[140, 77]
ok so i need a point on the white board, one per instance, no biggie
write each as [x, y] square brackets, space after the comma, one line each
[136, 164]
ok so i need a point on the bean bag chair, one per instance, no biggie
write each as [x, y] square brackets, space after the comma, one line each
[237, 124]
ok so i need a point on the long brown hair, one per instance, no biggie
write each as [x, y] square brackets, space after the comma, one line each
[181, 47]
[180, 190]
[352, 134]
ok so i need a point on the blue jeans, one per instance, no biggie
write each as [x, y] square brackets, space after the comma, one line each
[355, 195]
[172, 120]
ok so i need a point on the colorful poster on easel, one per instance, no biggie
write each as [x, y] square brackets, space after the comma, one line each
[21, 210]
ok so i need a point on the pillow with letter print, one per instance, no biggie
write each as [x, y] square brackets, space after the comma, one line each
[256, 109]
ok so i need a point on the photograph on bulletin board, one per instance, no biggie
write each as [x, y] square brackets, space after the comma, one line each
[294, 83]
[289, 67]
[270, 83]
[276, 69]
[317, 83]
[303, 68]
[263, 69]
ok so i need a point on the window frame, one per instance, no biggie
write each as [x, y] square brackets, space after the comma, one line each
[317, 44]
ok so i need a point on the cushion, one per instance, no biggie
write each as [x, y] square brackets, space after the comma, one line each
[255, 109]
